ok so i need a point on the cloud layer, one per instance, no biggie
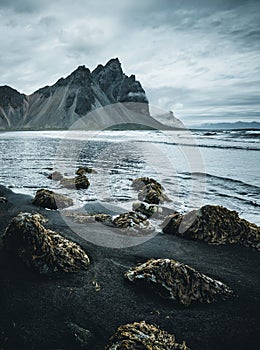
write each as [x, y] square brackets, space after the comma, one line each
[197, 58]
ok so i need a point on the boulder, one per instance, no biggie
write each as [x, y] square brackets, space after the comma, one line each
[214, 225]
[51, 200]
[179, 282]
[79, 182]
[41, 249]
[142, 335]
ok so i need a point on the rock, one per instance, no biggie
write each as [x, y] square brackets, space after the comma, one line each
[142, 335]
[51, 200]
[150, 191]
[132, 220]
[56, 176]
[214, 225]
[79, 182]
[146, 209]
[106, 218]
[80, 336]
[179, 282]
[85, 170]
[43, 250]
[82, 218]
[3, 199]
[140, 182]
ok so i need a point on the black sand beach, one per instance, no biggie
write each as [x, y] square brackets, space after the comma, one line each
[35, 310]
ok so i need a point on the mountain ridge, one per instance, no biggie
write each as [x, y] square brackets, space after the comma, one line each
[63, 104]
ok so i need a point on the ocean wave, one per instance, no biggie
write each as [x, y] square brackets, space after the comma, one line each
[226, 180]
[194, 144]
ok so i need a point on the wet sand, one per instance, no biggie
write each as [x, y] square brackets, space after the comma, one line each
[35, 310]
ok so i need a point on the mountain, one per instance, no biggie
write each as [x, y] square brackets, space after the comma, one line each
[235, 125]
[170, 120]
[70, 100]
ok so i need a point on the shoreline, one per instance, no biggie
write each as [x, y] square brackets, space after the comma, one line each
[35, 310]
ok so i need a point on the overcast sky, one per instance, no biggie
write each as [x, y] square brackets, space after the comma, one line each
[200, 59]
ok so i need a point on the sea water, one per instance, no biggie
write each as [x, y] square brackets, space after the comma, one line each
[195, 167]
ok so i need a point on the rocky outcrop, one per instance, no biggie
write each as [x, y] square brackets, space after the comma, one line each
[61, 105]
[142, 335]
[43, 250]
[51, 200]
[179, 282]
[214, 224]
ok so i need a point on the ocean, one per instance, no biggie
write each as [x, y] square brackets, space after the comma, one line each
[195, 167]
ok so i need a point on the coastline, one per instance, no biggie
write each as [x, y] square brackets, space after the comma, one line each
[35, 310]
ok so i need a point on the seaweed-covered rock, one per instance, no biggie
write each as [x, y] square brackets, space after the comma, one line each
[85, 170]
[79, 182]
[43, 250]
[51, 200]
[179, 281]
[140, 182]
[142, 336]
[146, 209]
[150, 191]
[131, 220]
[215, 225]
[56, 176]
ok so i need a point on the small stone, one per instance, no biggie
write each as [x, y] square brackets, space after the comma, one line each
[140, 182]
[85, 170]
[51, 200]
[82, 218]
[142, 335]
[80, 336]
[3, 199]
[79, 182]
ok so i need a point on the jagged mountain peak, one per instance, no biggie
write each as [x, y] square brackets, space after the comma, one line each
[62, 104]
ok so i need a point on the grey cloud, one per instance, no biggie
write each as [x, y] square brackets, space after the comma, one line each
[194, 56]
[22, 6]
